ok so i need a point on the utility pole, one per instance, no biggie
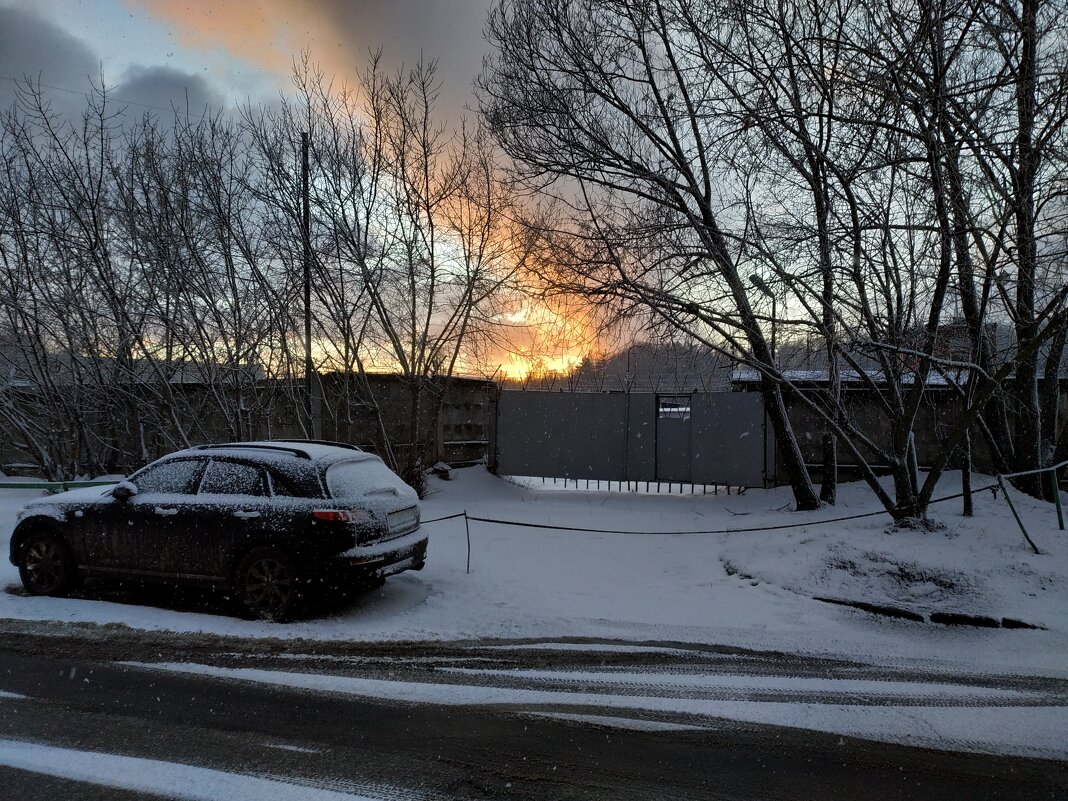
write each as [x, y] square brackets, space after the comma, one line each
[306, 235]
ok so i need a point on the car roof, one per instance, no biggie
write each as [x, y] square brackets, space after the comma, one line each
[280, 450]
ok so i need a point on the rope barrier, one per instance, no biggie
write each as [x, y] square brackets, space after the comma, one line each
[446, 517]
[801, 524]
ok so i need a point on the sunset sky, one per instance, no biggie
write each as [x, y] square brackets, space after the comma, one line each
[216, 54]
[222, 52]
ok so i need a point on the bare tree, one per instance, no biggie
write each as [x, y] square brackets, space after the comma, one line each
[598, 93]
[716, 155]
[409, 219]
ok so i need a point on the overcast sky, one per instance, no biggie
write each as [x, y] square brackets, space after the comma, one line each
[221, 52]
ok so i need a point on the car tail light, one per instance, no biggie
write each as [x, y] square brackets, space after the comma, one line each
[341, 515]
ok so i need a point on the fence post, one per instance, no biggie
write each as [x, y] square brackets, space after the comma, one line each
[1057, 498]
[1015, 514]
[467, 527]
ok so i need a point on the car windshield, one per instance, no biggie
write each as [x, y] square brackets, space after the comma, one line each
[354, 480]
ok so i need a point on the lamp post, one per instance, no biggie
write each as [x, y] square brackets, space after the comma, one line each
[764, 289]
[630, 373]
[305, 232]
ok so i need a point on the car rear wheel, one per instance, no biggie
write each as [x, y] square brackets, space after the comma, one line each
[266, 585]
[46, 566]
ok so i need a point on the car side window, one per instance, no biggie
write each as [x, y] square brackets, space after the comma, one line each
[284, 487]
[233, 478]
[172, 478]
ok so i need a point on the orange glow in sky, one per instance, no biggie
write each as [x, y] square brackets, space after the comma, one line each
[256, 32]
[532, 338]
[541, 340]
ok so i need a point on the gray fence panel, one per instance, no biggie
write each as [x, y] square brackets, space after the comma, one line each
[618, 437]
[641, 442]
[674, 437]
[565, 434]
[729, 440]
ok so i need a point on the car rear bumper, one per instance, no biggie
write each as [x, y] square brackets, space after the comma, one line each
[383, 559]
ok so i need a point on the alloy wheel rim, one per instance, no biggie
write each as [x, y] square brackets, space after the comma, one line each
[44, 565]
[267, 585]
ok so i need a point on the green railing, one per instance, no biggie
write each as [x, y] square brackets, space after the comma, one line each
[54, 486]
[1054, 488]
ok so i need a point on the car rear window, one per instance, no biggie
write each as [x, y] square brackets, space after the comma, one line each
[233, 478]
[284, 486]
[354, 480]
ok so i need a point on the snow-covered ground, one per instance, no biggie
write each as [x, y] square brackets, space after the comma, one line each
[653, 592]
[753, 590]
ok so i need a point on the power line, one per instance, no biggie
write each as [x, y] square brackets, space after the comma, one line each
[83, 93]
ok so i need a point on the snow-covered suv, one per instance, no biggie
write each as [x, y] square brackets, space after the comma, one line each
[263, 519]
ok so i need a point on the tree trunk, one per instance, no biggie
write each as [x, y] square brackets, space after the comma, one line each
[789, 453]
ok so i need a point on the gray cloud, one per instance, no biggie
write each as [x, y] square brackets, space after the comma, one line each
[339, 34]
[166, 87]
[34, 48]
[449, 32]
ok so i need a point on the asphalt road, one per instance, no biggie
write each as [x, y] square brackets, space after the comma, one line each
[68, 689]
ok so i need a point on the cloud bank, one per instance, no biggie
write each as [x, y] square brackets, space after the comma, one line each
[35, 49]
[339, 34]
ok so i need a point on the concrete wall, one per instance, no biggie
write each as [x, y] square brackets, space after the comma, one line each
[936, 417]
[365, 414]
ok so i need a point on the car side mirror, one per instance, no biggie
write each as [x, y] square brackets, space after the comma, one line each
[124, 490]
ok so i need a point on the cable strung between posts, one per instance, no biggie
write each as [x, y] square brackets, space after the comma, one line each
[446, 517]
[519, 524]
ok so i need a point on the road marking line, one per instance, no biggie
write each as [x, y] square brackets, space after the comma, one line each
[171, 779]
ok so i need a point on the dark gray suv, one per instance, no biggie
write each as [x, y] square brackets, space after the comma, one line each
[265, 520]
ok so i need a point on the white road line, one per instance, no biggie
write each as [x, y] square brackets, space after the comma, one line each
[630, 724]
[300, 749]
[172, 779]
[656, 680]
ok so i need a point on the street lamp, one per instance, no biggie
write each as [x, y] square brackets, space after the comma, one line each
[630, 350]
[764, 289]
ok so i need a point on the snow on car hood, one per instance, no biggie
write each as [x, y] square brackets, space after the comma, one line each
[80, 495]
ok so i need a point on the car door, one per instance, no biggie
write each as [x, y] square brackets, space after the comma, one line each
[89, 525]
[140, 535]
[233, 503]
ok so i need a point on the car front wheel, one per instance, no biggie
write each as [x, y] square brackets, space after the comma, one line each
[266, 585]
[46, 566]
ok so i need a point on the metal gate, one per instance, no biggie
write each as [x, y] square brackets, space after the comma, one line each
[674, 436]
[695, 438]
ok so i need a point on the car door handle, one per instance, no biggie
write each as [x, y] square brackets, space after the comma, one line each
[165, 511]
[246, 515]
